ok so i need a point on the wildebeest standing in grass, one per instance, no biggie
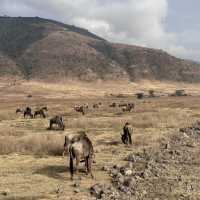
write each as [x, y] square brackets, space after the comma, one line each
[40, 112]
[80, 109]
[28, 112]
[113, 105]
[58, 120]
[19, 110]
[81, 148]
[95, 105]
[127, 132]
[128, 107]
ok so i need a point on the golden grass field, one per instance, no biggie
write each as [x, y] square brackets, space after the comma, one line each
[31, 162]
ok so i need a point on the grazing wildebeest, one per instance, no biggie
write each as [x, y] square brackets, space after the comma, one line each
[113, 105]
[19, 110]
[127, 132]
[40, 112]
[44, 108]
[80, 109]
[95, 105]
[128, 107]
[27, 112]
[80, 148]
[58, 120]
[122, 104]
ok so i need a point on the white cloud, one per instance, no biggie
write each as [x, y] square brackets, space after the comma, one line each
[140, 22]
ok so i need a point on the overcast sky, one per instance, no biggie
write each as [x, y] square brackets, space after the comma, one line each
[172, 25]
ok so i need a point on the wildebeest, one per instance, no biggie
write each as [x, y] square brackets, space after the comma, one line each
[122, 105]
[80, 148]
[80, 109]
[44, 108]
[127, 132]
[19, 110]
[58, 120]
[113, 105]
[40, 112]
[128, 107]
[27, 112]
[95, 105]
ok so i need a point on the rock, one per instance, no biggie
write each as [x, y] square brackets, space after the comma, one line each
[97, 190]
[122, 170]
[167, 145]
[114, 172]
[76, 184]
[76, 190]
[106, 168]
[116, 167]
[131, 157]
[128, 172]
[130, 182]
[130, 165]
[121, 180]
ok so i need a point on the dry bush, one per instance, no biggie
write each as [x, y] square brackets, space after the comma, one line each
[38, 145]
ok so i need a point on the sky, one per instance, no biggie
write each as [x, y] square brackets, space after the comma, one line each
[171, 25]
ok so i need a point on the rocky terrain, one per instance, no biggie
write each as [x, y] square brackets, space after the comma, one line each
[171, 172]
[35, 48]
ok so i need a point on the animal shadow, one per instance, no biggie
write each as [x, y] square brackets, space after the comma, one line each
[108, 143]
[53, 171]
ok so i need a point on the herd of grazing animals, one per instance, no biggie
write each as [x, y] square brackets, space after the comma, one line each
[79, 146]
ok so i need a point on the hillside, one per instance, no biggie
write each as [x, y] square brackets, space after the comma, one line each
[35, 48]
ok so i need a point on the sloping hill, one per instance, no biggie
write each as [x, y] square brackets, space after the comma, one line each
[36, 48]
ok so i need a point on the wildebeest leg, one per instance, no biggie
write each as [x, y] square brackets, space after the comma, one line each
[71, 166]
[129, 138]
[89, 164]
[124, 139]
[77, 162]
[50, 126]
[44, 116]
[86, 165]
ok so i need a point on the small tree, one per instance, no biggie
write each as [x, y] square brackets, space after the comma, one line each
[151, 93]
[140, 95]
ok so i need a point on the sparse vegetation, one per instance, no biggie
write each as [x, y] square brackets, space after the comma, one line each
[35, 48]
[31, 163]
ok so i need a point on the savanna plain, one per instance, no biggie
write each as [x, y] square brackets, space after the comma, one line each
[31, 163]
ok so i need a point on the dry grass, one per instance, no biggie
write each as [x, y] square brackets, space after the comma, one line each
[30, 162]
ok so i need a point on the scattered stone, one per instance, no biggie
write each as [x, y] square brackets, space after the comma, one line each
[76, 190]
[97, 190]
[128, 172]
[76, 184]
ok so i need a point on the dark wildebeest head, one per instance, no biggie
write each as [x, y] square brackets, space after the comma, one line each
[27, 112]
[58, 120]
[80, 148]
